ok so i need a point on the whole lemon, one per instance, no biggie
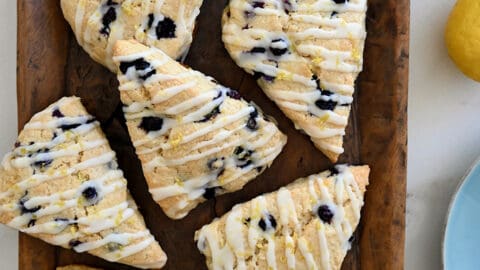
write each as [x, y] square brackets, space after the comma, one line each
[463, 37]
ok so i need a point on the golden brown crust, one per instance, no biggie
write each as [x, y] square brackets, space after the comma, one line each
[209, 141]
[306, 57]
[131, 19]
[305, 225]
[61, 183]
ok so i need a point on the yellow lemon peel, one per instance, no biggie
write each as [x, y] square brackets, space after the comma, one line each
[462, 37]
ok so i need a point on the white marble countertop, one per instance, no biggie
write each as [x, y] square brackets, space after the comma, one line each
[443, 129]
[444, 132]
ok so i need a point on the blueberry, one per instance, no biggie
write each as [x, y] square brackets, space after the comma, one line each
[90, 194]
[31, 223]
[351, 239]
[278, 52]
[287, 6]
[257, 75]
[219, 95]
[222, 170]
[326, 93]
[267, 223]
[326, 105]
[246, 164]
[248, 14]
[259, 169]
[151, 18]
[109, 17]
[252, 122]
[112, 165]
[17, 144]
[243, 157]
[64, 220]
[325, 214]
[25, 210]
[238, 150]
[254, 113]
[210, 115]
[334, 13]
[151, 123]
[57, 113]
[218, 165]
[234, 94]
[246, 221]
[258, 4]
[69, 126]
[215, 164]
[148, 75]
[340, 1]
[43, 150]
[62, 223]
[258, 50]
[317, 81]
[139, 64]
[242, 153]
[166, 28]
[74, 243]
[42, 163]
[210, 193]
[333, 171]
[279, 47]
[323, 92]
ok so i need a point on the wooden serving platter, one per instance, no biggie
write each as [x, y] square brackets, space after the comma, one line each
[52, 65]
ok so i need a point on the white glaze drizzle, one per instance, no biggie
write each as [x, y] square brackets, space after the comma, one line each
[320, 24]
[191, 111]
[238, 246]
[126, 12]
[68, 143]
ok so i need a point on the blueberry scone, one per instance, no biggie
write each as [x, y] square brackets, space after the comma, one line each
[306, 225]
[61, 183]
[165, 24]
[195, 138]
[77, 267]
[305, 55]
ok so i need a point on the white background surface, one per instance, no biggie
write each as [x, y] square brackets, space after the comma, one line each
[444, 109]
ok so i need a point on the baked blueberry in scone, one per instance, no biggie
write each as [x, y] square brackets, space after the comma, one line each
[305, 55]
[306, 225]
[61, 183]
[165, 24]
[195, 138]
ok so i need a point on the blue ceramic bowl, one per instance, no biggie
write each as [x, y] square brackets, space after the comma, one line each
[461, 246]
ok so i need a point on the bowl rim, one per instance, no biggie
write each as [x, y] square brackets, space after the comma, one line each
[452, 203]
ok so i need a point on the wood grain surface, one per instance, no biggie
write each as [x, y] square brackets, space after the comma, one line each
[52, 65]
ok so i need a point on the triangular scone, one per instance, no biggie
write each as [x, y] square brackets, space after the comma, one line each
[195, 138]
[306, 56]
[165, 24]
[306, 225]
[61, 183]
